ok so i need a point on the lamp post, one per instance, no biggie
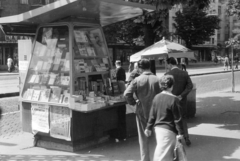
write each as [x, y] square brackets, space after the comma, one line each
[231, 43]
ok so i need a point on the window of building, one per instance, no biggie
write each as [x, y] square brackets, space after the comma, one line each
[24, 1]
[219, 10]
[47, 1]
[212, 40]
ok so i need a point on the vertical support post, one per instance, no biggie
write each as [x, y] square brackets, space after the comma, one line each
[233, 82]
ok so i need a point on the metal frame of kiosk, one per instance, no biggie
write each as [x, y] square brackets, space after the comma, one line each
[69, 98]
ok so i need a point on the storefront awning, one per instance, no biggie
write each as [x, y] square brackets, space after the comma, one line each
[104, 12]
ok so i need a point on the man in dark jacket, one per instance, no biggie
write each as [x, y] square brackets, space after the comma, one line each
[182, 86]
[120, 76]
[145, 87]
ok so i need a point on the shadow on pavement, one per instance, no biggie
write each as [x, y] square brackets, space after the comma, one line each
[217, 110]
[208, 148]
[215, 130]
[51, 158]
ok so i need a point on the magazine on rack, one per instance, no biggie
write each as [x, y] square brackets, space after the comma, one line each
[29, 94]
[36, 95]
[80, 36]
[56, 94]
[47, 34]
[45, 95]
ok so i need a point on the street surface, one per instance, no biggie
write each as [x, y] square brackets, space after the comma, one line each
[9, 83]
[214, 131]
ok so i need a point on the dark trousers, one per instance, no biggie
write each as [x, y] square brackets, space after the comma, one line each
[184, 67]
[120, 132]
[185, 128]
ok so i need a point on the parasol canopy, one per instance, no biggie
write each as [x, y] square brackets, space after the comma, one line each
[163, 49]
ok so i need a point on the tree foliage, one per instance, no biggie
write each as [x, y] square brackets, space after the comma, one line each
[194, 26]
[149, 27]
[233, 8]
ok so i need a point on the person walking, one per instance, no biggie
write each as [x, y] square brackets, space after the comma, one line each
[135, 73]
[120, 135]
[182, 86]
[166, 119]
[225, 63]
[120, 76]
[183, 64]
[9, 63]
[145, 87]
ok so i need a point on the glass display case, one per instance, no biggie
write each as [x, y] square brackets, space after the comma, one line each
[69, 90]
[48, 76]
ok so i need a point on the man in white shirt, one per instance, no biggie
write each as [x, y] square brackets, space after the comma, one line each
[9, 63]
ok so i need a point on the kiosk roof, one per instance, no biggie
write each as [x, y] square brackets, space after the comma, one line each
[103, 11]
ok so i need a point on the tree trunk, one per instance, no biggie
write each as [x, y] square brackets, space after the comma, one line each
[148, 35]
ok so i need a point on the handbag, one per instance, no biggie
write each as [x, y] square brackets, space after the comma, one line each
[179, 152]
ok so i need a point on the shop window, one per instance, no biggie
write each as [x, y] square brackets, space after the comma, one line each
[24, 1]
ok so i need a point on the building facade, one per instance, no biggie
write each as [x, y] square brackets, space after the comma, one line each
[8, 43]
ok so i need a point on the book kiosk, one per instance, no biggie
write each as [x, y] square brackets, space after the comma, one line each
[69, 98]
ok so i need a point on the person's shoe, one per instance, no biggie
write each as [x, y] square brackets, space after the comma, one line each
[187, 141]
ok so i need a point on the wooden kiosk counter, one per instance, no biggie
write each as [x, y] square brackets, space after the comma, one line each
[69, 98]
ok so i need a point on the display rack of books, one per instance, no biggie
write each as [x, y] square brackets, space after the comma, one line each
[48, 78]
[93, 86]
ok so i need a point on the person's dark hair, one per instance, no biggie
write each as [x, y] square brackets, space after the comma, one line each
[172, 61]
[144, 64]
[166, 82]
[118, 62]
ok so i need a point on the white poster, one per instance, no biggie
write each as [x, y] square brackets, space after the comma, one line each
[40, 118]
[60, 122]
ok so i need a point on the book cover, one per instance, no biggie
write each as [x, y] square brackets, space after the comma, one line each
[32, 78]
[39, 65]
[80, 36]
[36, 95]
[51, 43]
[105, 60]
[29, 94]
[52, 78]
[67, 66]
[44, 79]
[45, 66]
[58, 53]
[43, 50]
[56, 64]
[56, 94]
[66, 98]
[61, 98]
[37, 79]
[37, 48]
[82, 50]
[66, 80]
[90, 50]
[76, 65]
[62, 67]
[47, 34]
[58, 80]
[45, 95]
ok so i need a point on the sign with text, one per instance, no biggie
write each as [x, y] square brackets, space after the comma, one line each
[40, 121]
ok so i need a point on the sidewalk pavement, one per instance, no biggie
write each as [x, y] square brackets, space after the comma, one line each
[214, 133]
